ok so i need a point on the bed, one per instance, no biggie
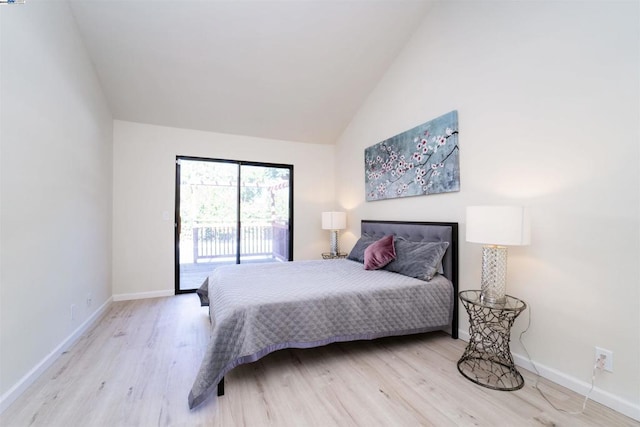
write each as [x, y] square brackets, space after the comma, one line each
[256, 309]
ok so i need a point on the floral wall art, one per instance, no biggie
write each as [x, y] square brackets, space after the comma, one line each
[421, 161]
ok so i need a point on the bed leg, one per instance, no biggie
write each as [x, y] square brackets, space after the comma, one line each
[454, 327]
[221, 387]
[454, 320]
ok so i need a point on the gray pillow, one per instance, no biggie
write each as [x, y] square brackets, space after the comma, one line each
[421, 260]
[357, 253]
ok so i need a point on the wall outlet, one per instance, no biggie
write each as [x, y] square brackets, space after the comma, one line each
[607, 364]
[73, 312]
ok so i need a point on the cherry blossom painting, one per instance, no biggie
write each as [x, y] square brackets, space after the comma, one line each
[421, 161]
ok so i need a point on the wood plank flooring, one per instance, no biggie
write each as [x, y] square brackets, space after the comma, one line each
[137, 365]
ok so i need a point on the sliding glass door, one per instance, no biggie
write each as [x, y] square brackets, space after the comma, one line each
[230, 212]
[265, 213]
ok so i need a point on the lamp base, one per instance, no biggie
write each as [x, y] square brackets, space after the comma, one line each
[494, 274]
[488, 300]
[334, 243]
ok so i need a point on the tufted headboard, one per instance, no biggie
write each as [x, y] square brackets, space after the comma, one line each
[425, 232]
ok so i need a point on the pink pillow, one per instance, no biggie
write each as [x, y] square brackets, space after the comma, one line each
[379, 253]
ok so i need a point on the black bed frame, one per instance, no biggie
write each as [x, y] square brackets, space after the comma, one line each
[441, 231]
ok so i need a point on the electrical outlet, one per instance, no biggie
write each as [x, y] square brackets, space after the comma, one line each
[73, 312]
[607, 364]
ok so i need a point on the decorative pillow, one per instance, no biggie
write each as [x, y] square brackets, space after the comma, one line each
[379, 254]
[421, 260]
[357, 253]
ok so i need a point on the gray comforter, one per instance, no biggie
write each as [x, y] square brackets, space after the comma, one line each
[258, 309]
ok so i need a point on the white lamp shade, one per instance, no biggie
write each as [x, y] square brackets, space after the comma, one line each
[498, 225]
[334, 220]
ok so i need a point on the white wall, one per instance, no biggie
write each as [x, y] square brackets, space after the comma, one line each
[56, 147]
[548, 102]
[144, 188]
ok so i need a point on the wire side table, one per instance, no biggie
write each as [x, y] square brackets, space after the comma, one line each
[487, 360]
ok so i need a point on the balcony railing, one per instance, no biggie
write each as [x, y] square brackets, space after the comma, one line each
[218, 241]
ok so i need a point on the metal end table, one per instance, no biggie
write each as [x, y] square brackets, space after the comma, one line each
[487, 360]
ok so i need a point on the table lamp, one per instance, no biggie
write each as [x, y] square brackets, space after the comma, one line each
[334, 221]
[496, 227]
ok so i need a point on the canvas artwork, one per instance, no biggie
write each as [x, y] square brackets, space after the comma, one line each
[423, 160]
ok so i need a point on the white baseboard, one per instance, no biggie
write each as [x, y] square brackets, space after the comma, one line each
[14, 392]
[610, 400]
[143, 295]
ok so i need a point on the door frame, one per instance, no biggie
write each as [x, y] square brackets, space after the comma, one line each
[177, 224]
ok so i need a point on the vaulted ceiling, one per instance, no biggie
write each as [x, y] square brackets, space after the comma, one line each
[295, 70]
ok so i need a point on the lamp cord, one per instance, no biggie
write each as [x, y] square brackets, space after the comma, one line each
[593, 376]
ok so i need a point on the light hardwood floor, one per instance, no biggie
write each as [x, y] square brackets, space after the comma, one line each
[136, 367]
